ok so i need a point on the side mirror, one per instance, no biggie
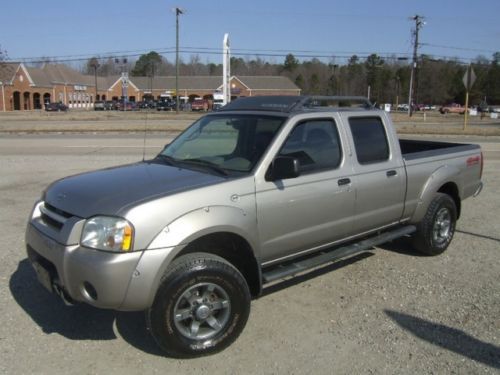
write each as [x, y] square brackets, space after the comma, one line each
[284, 167]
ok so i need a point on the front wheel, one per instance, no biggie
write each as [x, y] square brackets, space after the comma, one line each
[201, 307]
[436, 230]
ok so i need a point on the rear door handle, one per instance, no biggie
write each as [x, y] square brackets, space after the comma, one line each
[344, 181]
[391, 173]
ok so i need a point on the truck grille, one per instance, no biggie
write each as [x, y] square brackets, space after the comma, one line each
[53, 216]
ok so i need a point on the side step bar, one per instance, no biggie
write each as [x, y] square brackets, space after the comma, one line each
[292, 268]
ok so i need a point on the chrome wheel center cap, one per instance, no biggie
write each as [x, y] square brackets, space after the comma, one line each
[202, 312]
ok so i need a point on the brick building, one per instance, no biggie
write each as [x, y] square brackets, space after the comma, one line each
[27, 88]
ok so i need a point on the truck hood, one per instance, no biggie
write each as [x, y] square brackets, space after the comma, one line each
[110, 191]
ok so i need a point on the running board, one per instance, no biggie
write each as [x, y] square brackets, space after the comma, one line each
[292, 268]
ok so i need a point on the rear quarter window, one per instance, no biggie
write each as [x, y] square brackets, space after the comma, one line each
[370, 139]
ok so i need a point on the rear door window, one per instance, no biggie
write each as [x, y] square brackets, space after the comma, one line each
[370, 139]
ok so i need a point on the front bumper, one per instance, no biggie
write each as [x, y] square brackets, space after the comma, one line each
[96, 277]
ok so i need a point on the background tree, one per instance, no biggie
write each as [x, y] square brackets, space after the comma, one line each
[491, 87]
[146, 64]
[373, 67]
[355, 77]
[290, 65]
[439, 80]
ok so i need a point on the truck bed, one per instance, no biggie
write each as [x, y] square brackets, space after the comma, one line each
[416, 149]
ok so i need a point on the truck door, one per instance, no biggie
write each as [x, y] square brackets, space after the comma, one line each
[298, 214]
[380, 177]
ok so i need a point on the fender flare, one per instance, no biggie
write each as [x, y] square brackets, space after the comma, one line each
[175, 237]
[440, 177]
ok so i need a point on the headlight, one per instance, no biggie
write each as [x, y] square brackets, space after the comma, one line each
[107, 233]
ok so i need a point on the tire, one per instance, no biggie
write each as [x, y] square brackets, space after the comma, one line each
[200, 308]
[436, 230]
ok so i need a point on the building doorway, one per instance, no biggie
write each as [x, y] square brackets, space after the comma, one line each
[36, 101]
[26, 101]
[16, 97]
[46, 98]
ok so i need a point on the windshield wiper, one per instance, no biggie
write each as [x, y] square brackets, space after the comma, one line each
[167, 159]
[206, 163]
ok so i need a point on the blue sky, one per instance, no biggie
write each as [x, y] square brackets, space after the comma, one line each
[454, 28]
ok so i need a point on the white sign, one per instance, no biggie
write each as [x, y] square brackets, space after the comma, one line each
[469, 78]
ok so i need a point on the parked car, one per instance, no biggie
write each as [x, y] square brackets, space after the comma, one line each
[261, 190]
[109, 105]
[217, 104]
[452, 108]
[403, 107]
[127, 106]
[99, 105]
[146, 104]
[428, 107]
[56, 107]
[200, 105]
[165, 105]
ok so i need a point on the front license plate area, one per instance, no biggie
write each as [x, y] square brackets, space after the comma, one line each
[43, 276]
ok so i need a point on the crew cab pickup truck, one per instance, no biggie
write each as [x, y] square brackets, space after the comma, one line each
[263, 189]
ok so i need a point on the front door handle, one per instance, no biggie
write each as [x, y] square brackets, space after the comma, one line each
[391, 173]
[344, 181]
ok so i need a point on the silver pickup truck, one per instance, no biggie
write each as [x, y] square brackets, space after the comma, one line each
[263, 189]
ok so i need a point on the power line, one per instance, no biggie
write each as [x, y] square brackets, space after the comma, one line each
[458, 48]
[245, 53]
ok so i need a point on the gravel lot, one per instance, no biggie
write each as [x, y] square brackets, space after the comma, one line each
[389, 311]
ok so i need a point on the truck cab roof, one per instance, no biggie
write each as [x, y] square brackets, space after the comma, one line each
[299, 104]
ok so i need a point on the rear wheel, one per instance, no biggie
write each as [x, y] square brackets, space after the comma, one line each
[201, 306]
[436, 230]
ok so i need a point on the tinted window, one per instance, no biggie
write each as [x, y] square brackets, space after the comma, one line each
[370, 139]
[315, 144]
[230, 142]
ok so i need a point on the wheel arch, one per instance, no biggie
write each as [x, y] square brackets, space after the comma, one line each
[442, 180]
[234, 249]
[451, 189]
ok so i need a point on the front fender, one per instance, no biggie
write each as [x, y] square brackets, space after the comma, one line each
[174, 238]
[441, 176]
[206, 220]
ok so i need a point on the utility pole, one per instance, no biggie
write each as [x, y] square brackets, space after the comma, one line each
[226, 70]
[94, 63]
[178, 11]
[123, 64]
[419, 22]
[152, 79]
[95, 66]
[398, 81]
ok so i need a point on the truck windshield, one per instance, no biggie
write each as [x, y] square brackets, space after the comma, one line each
[225, 142]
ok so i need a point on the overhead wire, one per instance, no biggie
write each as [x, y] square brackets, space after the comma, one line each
[263, 53]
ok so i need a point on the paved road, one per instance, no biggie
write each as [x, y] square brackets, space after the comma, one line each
[389, 311]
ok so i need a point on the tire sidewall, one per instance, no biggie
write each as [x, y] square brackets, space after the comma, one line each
[425, 240]
[450, 206]
[161, 314]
